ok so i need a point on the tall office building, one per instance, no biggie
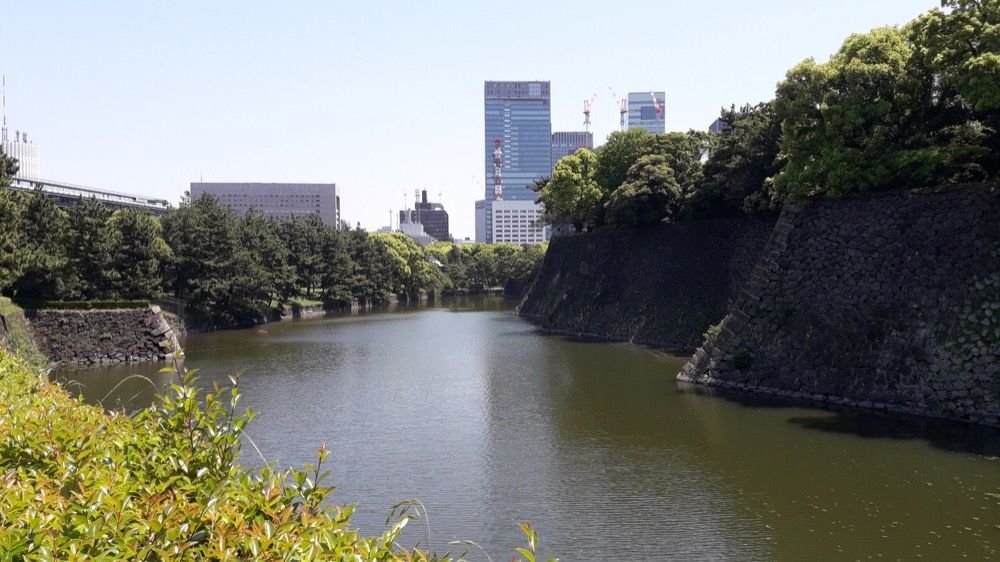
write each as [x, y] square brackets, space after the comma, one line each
[568, 142]
[519, 123]
[432, 216]
[643, 114]
[276, 200]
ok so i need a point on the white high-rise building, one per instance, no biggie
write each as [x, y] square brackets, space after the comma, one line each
[517, 222]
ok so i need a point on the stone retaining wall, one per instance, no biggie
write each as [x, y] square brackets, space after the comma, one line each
[889, 301]
[103, 336]
[662, 285]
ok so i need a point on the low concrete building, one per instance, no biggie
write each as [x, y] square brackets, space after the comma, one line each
[279, 201]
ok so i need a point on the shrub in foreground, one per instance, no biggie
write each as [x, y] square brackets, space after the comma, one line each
[77, 483]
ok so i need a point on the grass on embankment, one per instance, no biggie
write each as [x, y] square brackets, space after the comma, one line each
[19, 340]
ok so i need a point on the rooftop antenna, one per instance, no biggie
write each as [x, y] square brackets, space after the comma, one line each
[4, 134]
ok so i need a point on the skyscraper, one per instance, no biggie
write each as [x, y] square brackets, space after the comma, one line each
[567, 142]
[645, 112]
[519, 122]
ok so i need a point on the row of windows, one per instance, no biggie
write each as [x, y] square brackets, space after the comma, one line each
[266, 195]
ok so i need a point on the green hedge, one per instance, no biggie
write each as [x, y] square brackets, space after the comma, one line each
[80, 305]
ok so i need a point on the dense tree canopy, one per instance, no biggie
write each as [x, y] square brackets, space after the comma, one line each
[737, 172]
[229, 270]
[650, 194]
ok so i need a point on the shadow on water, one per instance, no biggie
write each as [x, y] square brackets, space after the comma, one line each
[570, 337]
[943, 434]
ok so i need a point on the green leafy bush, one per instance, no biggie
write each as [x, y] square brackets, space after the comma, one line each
[77, 483]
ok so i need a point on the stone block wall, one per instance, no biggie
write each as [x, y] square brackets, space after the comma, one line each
[887, 301]
[103, 336]
[662, 285]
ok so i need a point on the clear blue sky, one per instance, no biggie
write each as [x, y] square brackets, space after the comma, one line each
[379, 97]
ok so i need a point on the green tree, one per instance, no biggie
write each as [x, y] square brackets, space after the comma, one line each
[303, 236]
[738, 171]
[267, 256]
[573, 195]
[617, 155]
[43, 227]
[961, 46]
[870, 119]
[12, 244]
[958, 54]
[650, 194]
[338, 269]
[138, 253]
[88, 252]
[218, 277]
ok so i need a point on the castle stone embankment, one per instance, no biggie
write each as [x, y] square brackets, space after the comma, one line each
[661, 286]
[887, 301]
[102, 336]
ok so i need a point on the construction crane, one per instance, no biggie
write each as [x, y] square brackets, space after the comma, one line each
[656, 104]
[587, 105]
[497, 171]
[622, 104]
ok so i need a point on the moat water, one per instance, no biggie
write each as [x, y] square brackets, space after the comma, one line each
[489, 422]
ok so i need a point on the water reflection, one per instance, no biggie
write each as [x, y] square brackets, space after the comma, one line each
[488, 422]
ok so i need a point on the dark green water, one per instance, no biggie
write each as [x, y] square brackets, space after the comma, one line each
[489, 422]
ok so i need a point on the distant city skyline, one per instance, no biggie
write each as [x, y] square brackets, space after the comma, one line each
[380, 99]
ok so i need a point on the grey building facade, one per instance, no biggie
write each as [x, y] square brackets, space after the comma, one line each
[278, 201]
[565, 143]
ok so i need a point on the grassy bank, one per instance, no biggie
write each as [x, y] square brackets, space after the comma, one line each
[17, 338]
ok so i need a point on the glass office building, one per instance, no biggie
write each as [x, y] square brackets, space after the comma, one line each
[519, 115]
[642, 112]
[565, 143]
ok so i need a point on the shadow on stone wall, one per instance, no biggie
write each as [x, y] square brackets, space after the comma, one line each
[889, 301]
[662, 286]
